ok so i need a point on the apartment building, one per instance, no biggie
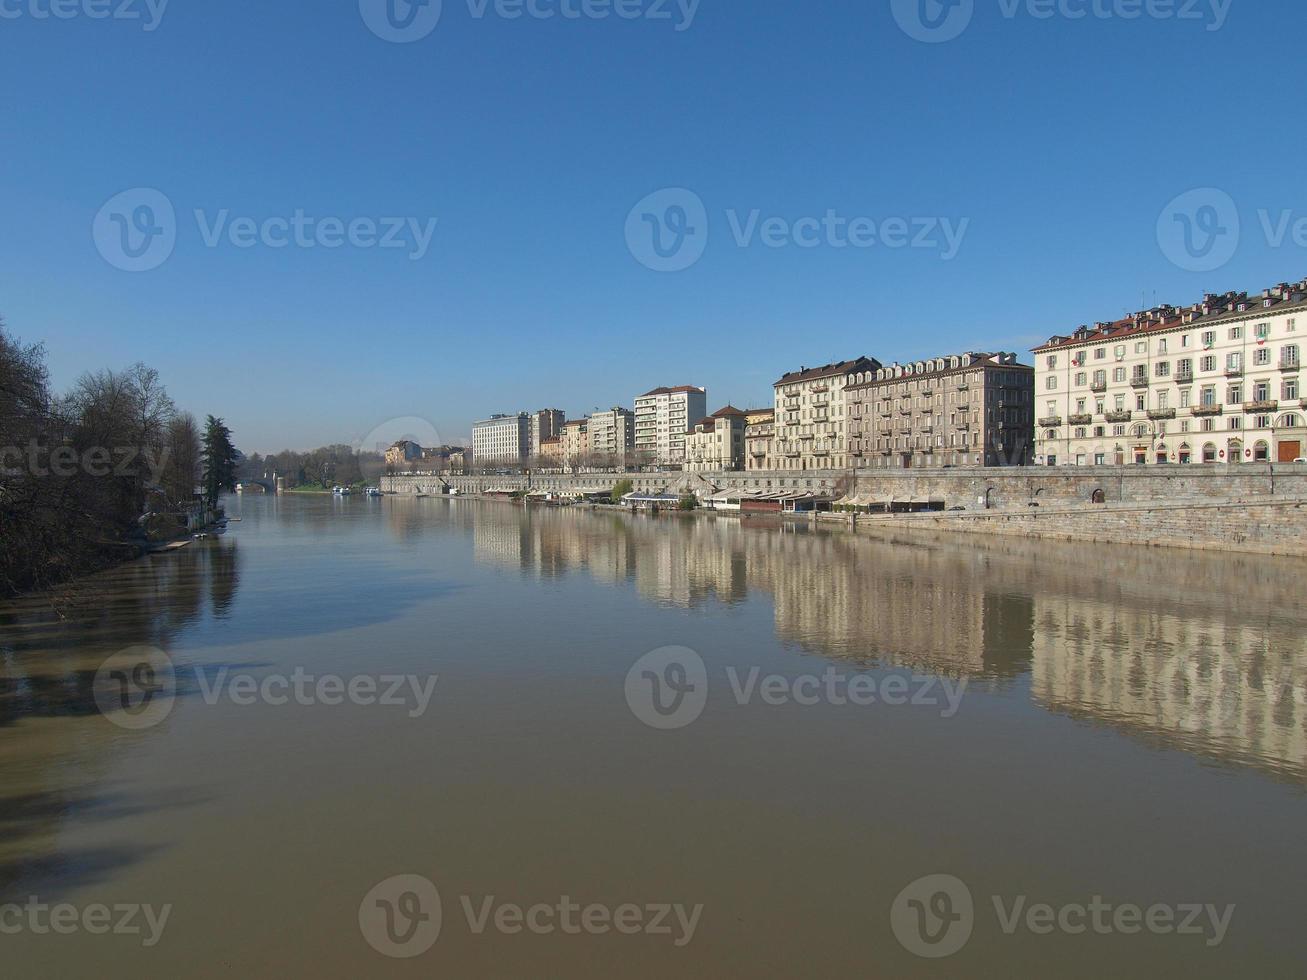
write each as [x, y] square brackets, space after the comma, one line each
[966, 409]
[551, 453]
[502, 439]
[545, 424]
[576, 444]
[717, 442]
[662, 419]
[401, 454]
[1216, 382]
[446, 459]
[759, 438]
[612, 437]
[811, 419]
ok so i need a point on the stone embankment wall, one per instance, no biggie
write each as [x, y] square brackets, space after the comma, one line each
[1262, 524]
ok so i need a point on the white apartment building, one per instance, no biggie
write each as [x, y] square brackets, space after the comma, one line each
[1217, 382]
[663, 417]
[612, 436]
[811, 427]
[717, 442]
[502, 439]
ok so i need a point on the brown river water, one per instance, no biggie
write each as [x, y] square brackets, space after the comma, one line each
[400, 737]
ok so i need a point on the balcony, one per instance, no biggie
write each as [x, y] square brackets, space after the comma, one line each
[1098, 386]
[1123, 416]
[962, 386]
[1261, 406]
[1234, 372]
[1290, 364]
[1184, 378]
[1161, 414]
[1080, 419]
[1051, 421]
[1139, 381]
[964, 426]
[1202, 411]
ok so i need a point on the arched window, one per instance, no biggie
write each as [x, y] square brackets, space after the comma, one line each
[1290, 421]
[1261, 451]
[1209, 452]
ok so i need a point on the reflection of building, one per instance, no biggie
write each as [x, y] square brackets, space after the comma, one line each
[717, 442]
[502, 439]
[1216, 382]
[961, 410]
[663, 417]
[811, 425]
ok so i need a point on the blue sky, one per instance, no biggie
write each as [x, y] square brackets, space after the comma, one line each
[1053, 144]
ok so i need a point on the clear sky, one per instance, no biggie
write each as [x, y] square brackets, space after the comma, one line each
[1052, 147]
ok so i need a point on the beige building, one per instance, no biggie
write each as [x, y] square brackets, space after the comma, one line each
[1217, 382]
[545, 424]
[759, 438]
[662, 418]
[402, 455]
[576, 444]
[811, 421]
[960, 410]
[551, 453]
[717, 442]
[612, 437]
[447, 459]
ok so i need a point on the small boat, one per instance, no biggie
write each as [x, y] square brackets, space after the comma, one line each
[372, 492]
[341, 491]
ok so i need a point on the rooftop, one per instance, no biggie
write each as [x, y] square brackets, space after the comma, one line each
[673, 391]
[829, 370]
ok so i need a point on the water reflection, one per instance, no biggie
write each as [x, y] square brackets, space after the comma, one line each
[1205, 653]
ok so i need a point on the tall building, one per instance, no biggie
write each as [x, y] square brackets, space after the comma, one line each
[717, 442]
[502, 439]
[576, 444]
[545, 424]
[612, 437]
[960, 410]
[663, 417]
[811, 424]
[1216, 382]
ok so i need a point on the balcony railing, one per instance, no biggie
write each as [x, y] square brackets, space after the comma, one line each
[1206, 410]
[1050, 421]
[1139, 381]
[1098, 386]
[1233, 372]
[1266, 405]
[1289, 364]
[1122, 416]
[1184, 378]
[1158, 414]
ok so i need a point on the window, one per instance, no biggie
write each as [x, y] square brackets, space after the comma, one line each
[1119, 352]
[1236, 422]
[1100, 354]
[1262, 391]
[1291, 325]
[1234, 361]
[1207, 363]
[1262, 422]
[1184, 341]
[1052, 362]
[1081, 379]
[1289, 356]
[1234, 395]
[1207, 425]
[1100, 459]
[1140, 402]
[1209, 338]
[1100, 378]
[1186, 395]
[1080, 406]
[1263, 331]
[1118, 375]
[1162, 369]
[1050, 383]
[1262, 356]
[1208, 396]
[1290, 388]
[1118, 430]
[1163, 400]
[1184, 367]
[1141, 347]
[1236, 333]
[1209, 453]
[1120, 403]
[1080, 433]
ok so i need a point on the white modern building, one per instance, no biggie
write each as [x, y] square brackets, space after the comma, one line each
[663, 417]
[1216, 382]
[502, 439]
[612, 436]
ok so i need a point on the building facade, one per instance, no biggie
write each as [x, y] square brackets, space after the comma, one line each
[545, 424]
[402, 455]
[759, 438]
[576, 444]
[502, 439]
[811, 420]
[717, 442]
[612, 437]
[1218, 382]
[662, 419]
[961, 410]
[551, 454]
[447, 459]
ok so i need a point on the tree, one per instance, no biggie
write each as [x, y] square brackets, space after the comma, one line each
[621, 490]
[220, 460]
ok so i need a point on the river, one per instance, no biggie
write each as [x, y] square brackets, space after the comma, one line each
[459, 738]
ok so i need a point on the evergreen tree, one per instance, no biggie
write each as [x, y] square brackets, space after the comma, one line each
[220, 458]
